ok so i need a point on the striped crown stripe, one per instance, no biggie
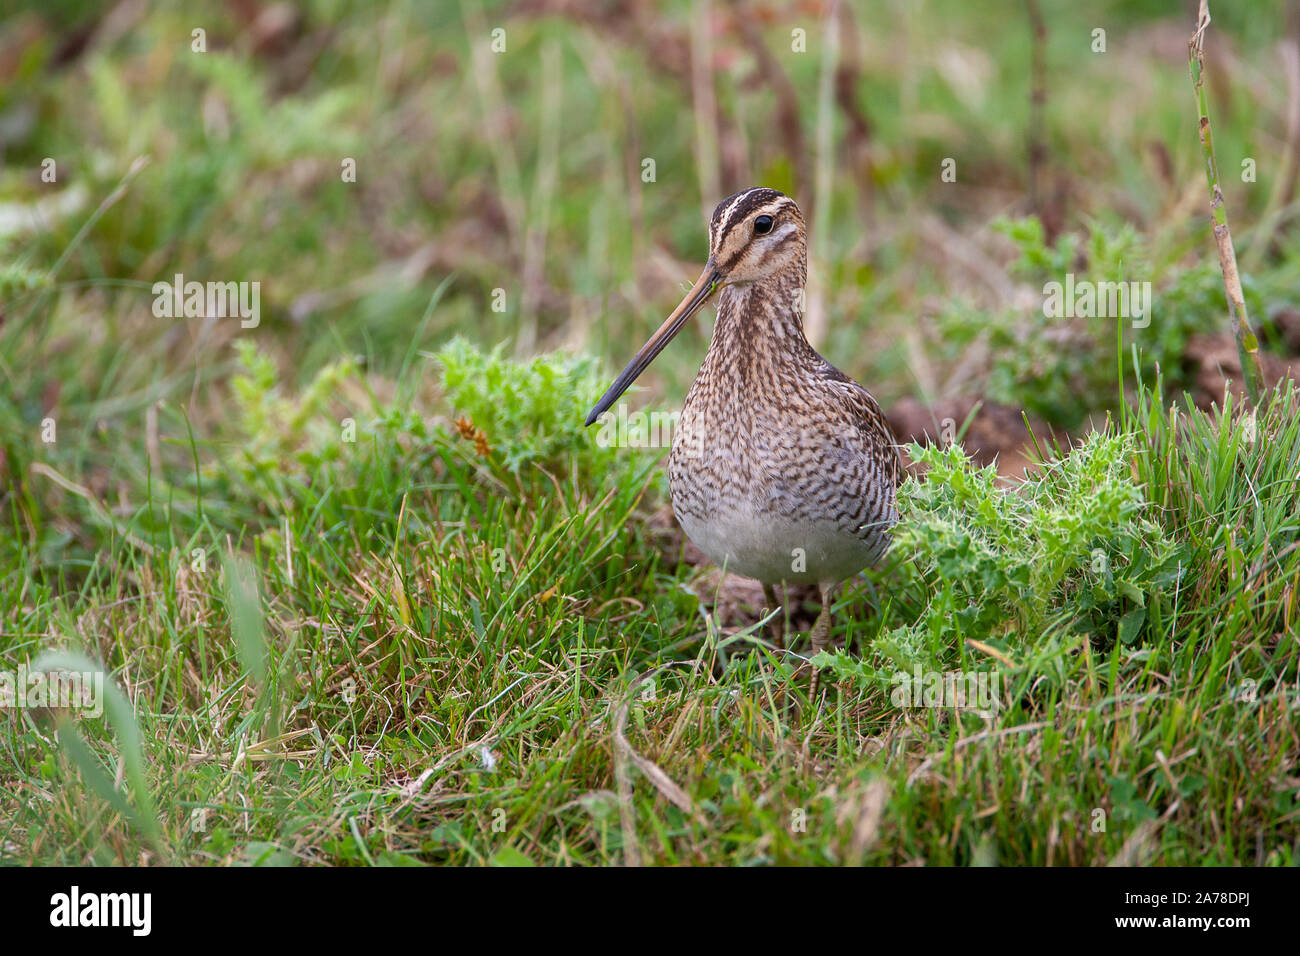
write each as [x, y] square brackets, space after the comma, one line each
[735, 208]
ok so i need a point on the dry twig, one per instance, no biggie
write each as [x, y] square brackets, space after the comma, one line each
[1247, 341]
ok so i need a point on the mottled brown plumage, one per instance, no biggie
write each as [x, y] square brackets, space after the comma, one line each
[782, 467]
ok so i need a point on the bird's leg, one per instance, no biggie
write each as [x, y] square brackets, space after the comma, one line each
[776, 626]
[821, 633]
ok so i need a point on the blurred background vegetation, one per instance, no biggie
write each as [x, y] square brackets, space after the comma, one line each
[522, 171]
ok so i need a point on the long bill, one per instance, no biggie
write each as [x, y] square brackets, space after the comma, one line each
[698, 295]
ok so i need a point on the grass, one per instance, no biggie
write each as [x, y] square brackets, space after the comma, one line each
[369, 594]
[434, 669]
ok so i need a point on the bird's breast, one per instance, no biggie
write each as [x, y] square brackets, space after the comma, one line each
[776, 496]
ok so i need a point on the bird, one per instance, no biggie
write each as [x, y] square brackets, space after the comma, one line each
[782, 468]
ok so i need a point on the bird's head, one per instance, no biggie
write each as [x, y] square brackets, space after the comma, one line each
[754, 235]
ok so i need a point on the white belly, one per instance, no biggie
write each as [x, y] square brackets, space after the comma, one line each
[774, 549]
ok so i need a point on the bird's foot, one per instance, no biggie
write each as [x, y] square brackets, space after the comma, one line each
[820, 638]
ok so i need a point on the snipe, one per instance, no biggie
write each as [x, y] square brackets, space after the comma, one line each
[782, 468]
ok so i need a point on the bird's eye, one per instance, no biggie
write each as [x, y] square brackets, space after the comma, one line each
[763, 225]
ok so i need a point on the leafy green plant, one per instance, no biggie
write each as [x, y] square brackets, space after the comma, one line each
[529, 413]
[275, 432]
[1072, 550]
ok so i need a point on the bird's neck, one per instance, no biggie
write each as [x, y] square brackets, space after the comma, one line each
[763, 318]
